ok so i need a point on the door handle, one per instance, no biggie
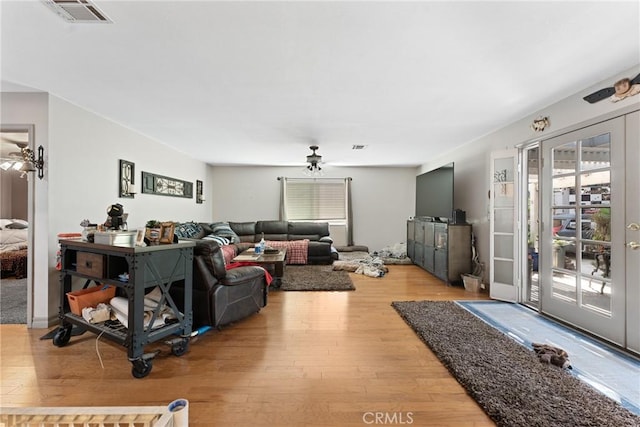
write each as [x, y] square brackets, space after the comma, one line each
[633, 226]
[633, 245]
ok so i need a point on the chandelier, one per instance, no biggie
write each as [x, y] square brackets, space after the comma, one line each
[313, 168]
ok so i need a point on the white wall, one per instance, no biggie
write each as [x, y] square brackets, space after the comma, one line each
[472, 161]
[383, 198]
[82, 151]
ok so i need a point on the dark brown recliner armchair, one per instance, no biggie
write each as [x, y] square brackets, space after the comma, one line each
[222, 296]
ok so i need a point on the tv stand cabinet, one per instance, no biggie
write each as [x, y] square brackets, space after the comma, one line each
[442, 249]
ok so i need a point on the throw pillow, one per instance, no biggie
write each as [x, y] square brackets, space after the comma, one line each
[16, 226]
[223, 229]
[188, 230]
[220, 240]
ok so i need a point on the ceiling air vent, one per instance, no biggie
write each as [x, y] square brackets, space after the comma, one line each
[357, 147]
[77, 11]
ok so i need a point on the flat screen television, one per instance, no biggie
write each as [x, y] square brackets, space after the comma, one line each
[434, 193]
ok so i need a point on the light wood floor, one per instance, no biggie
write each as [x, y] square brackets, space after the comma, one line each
[307, 359]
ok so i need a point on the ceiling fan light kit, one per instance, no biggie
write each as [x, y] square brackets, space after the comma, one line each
[25, 162]
[313, 168]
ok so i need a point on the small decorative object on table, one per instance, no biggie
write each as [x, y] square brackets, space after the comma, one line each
[167, 231]
[153, 232]
[140, 234]
[88, 231]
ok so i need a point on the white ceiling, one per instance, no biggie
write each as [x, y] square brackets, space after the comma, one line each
[258, 82]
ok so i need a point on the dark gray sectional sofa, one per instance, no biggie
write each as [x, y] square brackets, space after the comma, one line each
[245, 234]
[317, 233]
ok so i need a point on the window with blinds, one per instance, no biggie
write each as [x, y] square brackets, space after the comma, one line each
[316, 199]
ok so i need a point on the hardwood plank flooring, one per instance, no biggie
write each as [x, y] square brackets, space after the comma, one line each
[307, 359]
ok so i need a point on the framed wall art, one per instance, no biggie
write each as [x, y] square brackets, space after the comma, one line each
[165, 186]
[140, 232]
[199, 195]
[127, 180]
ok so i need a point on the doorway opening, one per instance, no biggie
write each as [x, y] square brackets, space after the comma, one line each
[14, 225]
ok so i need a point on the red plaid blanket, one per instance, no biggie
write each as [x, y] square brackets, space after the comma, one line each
[229, 253]
[296, 249]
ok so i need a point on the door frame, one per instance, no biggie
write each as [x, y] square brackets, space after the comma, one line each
[30, 130]
[632, 133]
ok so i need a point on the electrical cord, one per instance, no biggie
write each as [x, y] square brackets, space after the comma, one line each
[98, 351]
[98, 337]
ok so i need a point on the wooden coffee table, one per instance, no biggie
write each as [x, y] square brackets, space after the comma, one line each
[275, 259]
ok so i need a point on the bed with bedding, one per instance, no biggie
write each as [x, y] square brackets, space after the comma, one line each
[13, 247]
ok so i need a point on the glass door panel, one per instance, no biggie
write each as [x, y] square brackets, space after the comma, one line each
[503, 225]
[576, 275]
[503, 270]
[529, 216]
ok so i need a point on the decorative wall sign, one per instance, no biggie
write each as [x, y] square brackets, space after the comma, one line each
[127, 180]
[165, 186]
[199, 196]
[540, 124]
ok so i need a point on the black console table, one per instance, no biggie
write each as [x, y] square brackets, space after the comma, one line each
[148, 267]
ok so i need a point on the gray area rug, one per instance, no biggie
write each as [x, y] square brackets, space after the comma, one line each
[506, 379]
[13, 301]
[315, 278]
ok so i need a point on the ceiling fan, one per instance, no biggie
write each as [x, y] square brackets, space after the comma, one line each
[622, 87]
[313, 168]
[13, 160]
[10, 159]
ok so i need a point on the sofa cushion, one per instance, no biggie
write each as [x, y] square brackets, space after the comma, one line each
[273, 230]
[239, 276]
[308, 230]
[246, 231]
[212, 257]
[317, 249]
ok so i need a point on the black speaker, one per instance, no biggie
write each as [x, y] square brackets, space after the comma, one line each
[459, 216]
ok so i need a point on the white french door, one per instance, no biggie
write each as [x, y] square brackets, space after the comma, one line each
[632, 229]
[583, 265]
[503, 226]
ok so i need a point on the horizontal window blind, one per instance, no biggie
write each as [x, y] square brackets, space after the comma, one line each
[316, 199]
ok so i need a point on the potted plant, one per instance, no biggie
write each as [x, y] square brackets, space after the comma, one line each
[559, 252]
[602, 220]
[153, 230]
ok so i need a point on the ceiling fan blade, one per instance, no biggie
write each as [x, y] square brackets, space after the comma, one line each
[599, 95]
[636, 80]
